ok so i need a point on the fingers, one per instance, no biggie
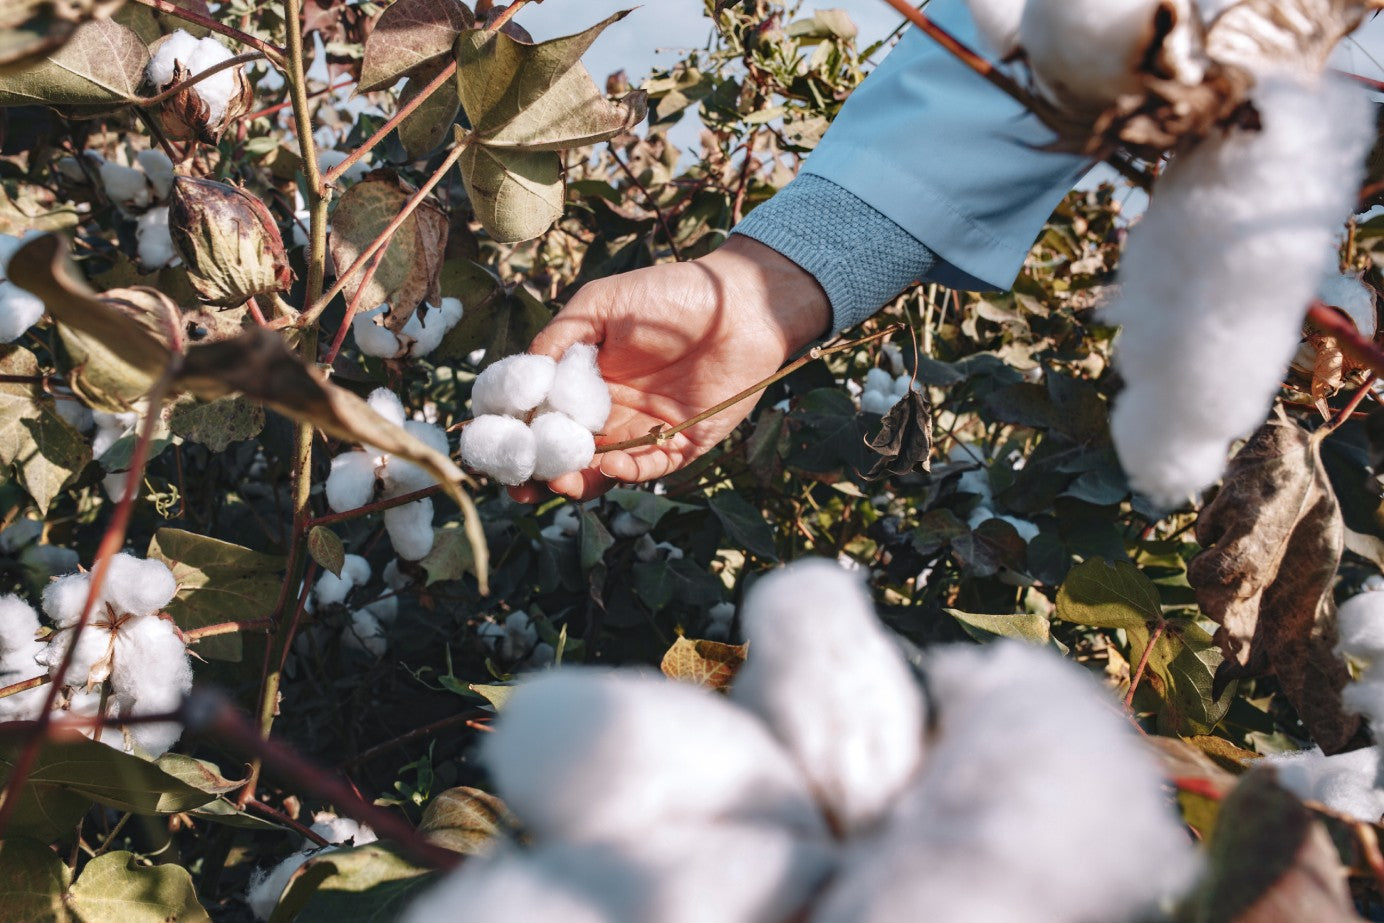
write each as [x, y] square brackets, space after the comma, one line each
[575, 485]
[573, 324]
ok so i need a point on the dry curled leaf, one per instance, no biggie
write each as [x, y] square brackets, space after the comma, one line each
[704, 663]
[1259, 34]
[904, 441]
[1273, 538]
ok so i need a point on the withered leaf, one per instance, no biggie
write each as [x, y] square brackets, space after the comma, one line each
[904, 441]
[101, 64]
[407, 270]
[1253, 33]
[1273, 538]
[410, 35]
[1271, 861]
[466, 820]
[30, 29]
[704, 663]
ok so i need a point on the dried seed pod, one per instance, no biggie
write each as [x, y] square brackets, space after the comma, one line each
[228, 240]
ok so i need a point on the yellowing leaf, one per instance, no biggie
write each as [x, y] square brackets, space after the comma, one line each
[517, 195]
[465, 820]
[704, 663]
[115, 887]
[427, 127]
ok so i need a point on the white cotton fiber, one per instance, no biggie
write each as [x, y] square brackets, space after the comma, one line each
[1218, 274]
[1010, 817]
[1084, 54]
[879, 380]
[364, 634]
[110, 429]
[578, 389]
[1346, 292]
[538, 886]
[150, 675]
[351, 483]
[18, 623]
[562, 445]
[832, 686]
[876, 402]
[19, 310]
[387, 404]
[179, 46]
[511, 640]
[401, 476]
[1360, 623]
[371, 338]
[410, 529]
[126, 186]
[159, 169]
[625, 524]
[1344, 782]
[138, 586]
[502, 447]
[196, 55]
[427, 332]
[341, 831]
[636, 755]
[90, 660]
[394, 577]
[998, 23]
[331, 589]
[155, 244]
[64, 598]
[265, 888]
[513, 386]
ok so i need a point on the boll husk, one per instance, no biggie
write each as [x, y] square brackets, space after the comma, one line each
[204, 110]
[228, 240]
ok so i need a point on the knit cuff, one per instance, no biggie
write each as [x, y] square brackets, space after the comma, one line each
[859, 257]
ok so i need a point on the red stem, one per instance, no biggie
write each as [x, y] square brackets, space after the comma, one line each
[351, 310]
[193, 635]
[404, 112]
[22, 685]
[1143, 663]
[375, 507]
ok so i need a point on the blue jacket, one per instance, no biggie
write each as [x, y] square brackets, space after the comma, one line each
[929, 172]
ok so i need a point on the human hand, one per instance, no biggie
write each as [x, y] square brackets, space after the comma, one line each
[675, 340]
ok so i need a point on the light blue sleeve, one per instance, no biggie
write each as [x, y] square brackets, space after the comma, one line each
[947, 158]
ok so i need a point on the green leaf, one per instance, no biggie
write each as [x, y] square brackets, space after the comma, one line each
[363, 884]
[46, 812]
[1181, 670]
[223, 811]
[502, 326]
[431, 122]
[1105, 595]
[496, 695]
[1023, 626]
[102, 64]
[326, 549]
[596, 540]
[114, 888]
[407, 270]
[217, 582]
[466, 820]
[573, 113]
[200, 774]
[410, 35]
[217, 424]
[516, 195]
[109, 776]
[744, 523]
[451, 556]
[989, 548]
[659, 583]
[647, 506]
[34, 881]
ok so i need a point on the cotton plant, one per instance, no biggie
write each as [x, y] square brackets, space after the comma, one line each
[360, 476]
[536, 418]
[835, 787]
[23, 541]
[126, 643]
[19, 309]
[421, 333]
[267, 885]
[203, 110]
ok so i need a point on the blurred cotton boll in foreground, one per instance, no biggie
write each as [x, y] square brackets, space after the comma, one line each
[267, 886]
[19, 310]
[818, 792]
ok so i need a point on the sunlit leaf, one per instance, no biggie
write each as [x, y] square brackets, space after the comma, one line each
[408, 36]
[101, 63]
[704, 663]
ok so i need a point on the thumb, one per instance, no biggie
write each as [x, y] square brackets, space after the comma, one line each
[572, 325]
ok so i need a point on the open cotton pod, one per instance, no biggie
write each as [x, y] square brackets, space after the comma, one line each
[202, 111]
[1320, 366]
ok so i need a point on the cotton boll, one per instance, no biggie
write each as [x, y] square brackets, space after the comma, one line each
[351, 483]
[452, 311]
[578, 389]
[879, 380]
[75, 413]
[513, 386]
[427, 332]
[1355, 298]
[902, 385]
[387, 404]
[64, 598]
[539, 886]
[402, 477]
[110, 429]
[265, 888]
[1217, 276]
[637, 754]
[150, 674]
[180, 46]
[218, 90]
[1010, 816]
[876, 402]
[561, 445]
[831, 684]
[998, 23]
[19, 310]
[158, 168]
[371, 338]
[385, 610]
[155, 244]
[138, 586]
[331, 589]
[568, 519]
[625, 524]
[410, 529]
[126, 186]
[394, 577]
[365, 634]
[90, 658]
[1344, 782]
[502, 447]
[512, 640]
[1360, 622]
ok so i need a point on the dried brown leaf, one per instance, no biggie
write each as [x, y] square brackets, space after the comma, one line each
[904, 441]
[704, 663]
[409, 35]
[101, 64]
[1273, 538]
[31, 29]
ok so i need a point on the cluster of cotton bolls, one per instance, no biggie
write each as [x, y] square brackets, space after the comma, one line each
[536, 418]
[420, 334]
[819, 779]
[196, 55]
[125, 643]
[132, 188]
[267, 886]
[882, 390]
[367, 624]
[357, 476]
[514, 642]
[19, 309]
[1350, 782]
[975, 480]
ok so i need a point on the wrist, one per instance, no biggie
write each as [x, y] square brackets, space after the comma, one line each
[778, 293]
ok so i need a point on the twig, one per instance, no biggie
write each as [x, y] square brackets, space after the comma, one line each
[660, 435]
[273, 52]
[506, 15]
[1331, 322]
[279, 107]
[376, 507]
[409, 736]
[199, 77]
[259, 807]
[24, 684]
[1143, 663]
[193, 635]
[334, 174]
[648, 197]
[1348, 410]
[351, 310]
